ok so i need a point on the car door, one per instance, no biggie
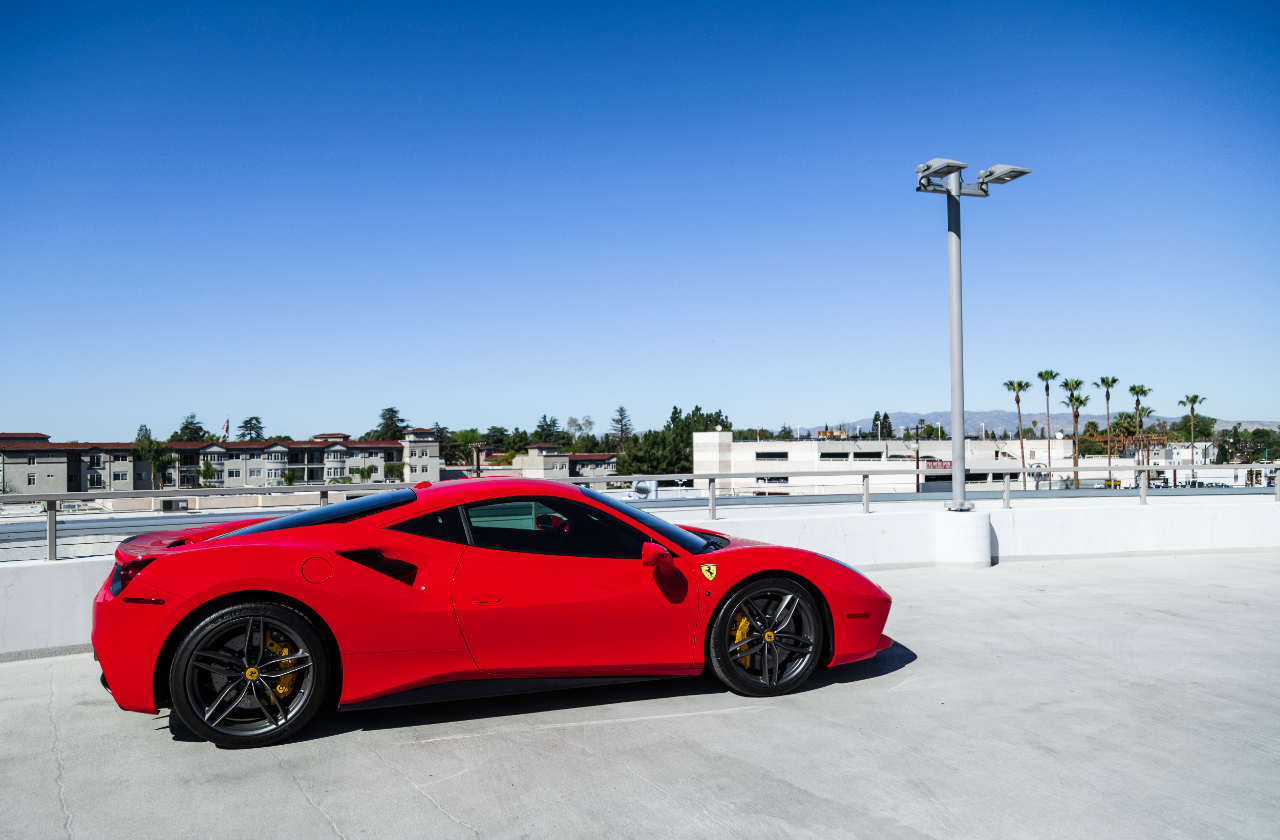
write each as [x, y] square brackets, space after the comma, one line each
[552, 585]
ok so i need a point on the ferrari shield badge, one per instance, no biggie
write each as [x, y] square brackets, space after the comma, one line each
[709, 571]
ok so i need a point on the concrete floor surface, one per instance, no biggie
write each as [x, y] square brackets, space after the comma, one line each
[1082, 698]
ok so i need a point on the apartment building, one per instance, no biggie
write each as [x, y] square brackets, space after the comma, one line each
[544, 460]
[31, 463]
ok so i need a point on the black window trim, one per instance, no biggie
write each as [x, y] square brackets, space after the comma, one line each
[604, 511]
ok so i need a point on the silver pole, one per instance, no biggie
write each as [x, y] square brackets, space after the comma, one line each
[957, 344]
[1142, 486]
[711, 498]
[1006, 491]
[866, 494]
[51, 529]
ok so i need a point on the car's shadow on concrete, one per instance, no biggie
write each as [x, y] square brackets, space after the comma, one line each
[338, 723]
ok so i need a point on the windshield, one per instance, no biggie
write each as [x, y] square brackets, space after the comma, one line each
[330, 514]
[690, 542]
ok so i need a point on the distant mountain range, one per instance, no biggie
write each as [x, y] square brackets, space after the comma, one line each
[999, 421]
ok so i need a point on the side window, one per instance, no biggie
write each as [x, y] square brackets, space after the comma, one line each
[443, 525]
[546, 525]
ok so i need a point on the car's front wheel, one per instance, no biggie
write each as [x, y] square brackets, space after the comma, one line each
[766, 638]
[249, 675]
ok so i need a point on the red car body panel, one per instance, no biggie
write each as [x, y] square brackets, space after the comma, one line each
[468, 612]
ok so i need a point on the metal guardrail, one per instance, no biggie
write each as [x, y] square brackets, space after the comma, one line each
[864, 472]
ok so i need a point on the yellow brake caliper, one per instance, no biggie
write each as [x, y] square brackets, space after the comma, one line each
[285, 684]
[741, 630]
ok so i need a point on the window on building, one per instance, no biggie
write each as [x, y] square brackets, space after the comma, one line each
[233, 456]
[335, 472]
[233, 473]
[95, 479]
[252, 456]
[255, 473]
[119, 456]
[337, 456]
[771, 456]
[124, 476]
[95, 462]
[141, 476]
[274, 473]
[31, 479]
[214, 456]
[392, 456]
[31, 459]
[833, 456]
[375, 469]
[412, 468]
[413, 453]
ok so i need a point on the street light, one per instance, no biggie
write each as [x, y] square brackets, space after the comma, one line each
[942, 175]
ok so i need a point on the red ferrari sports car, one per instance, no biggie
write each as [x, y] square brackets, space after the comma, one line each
[463, 589]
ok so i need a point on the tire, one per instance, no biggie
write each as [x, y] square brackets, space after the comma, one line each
[766, 638]
[249, 675]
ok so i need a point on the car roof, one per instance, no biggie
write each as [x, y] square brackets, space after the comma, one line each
[462, 490]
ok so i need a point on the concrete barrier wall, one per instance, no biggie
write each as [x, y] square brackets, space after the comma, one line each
[886, 538]
[48, 605]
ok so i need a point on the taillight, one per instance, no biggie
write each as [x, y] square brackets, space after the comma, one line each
[125, 572]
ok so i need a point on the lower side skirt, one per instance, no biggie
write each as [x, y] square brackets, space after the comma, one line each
[474, 689]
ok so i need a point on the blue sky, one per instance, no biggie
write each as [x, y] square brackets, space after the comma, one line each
[481, 214]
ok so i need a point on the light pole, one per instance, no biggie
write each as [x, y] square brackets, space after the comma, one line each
[943, 176]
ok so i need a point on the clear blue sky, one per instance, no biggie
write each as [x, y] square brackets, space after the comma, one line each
[481, 214]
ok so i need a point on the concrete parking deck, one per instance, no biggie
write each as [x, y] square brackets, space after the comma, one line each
[1083, 698]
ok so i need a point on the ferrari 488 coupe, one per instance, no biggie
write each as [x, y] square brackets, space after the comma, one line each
[464, 589]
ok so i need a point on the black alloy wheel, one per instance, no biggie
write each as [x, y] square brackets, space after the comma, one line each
[767, 637]
[249, 675]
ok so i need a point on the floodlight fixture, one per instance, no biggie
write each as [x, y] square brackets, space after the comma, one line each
[939, 168]
[1001, 173]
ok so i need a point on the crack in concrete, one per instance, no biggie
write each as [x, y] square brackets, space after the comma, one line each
[653, 784]
[418, 787]
[57, 754]
[303, 791]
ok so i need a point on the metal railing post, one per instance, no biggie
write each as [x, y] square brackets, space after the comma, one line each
[866, 493]
[711, 498]
[324, 497]
[1006, 491]
[1142, 486]
[51, 529]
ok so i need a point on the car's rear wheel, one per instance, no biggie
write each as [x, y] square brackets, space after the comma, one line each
[766, 638]
[249, 675]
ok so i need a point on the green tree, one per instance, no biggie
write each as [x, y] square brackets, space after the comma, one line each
[251, 429]
[495, 437]
[786, 433]
[395, 472]
[1190, 402]
[1017, 387]
[290, 477]
[1047, 376]
[669, 450]
[621, 429]
[875, 424]
[365, 474]
[452, 452]
[158, 455]
[191, 431]
[391, 426]
[208, 472]
[1075, 401]
[886, 427]
[1106, 383]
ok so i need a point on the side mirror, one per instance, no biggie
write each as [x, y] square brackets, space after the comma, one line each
[655, 555]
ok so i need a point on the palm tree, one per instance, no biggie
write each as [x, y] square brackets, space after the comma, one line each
[1138, 392]
[1017, 386]
[1107, 383]
[1047, 376]
[1075, 401]
[1191, 402]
